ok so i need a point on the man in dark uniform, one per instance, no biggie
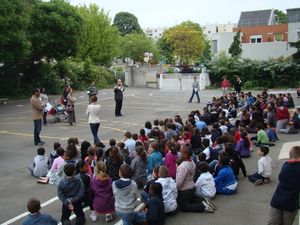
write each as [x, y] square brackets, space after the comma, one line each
[118, 89]
[92, 90]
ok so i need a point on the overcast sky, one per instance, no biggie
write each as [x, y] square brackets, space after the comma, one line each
[166, 13]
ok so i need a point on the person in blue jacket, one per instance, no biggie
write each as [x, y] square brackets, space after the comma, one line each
[225, 181]
[285, 200]
[35, 217]
[155, 157]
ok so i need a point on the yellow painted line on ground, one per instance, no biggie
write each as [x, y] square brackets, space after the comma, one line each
[4, 132]
[111, 128]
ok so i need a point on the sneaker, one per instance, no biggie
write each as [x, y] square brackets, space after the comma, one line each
[258, 182]
[209, 202]
[93, 216]
[267, 181]
[108, 218]
[207, 207]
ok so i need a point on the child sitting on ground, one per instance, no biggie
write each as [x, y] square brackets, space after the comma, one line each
[139, 167]
[35, 217]
[187, 201]
[155, 157]
[205, 185]
[225, 181]
[57, 163]
[142, 137]
[40, 165]
[101, 189]
[265, 164]
[169, 190]
[271, 132]
[126, 194]
[153, 212]
[70, 192]
[171, 157]
[91, 160]
[285, 200]
[145, 193]
[53, 154]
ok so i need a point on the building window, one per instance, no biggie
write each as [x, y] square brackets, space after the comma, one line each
[278, 37]
[214, 45]
[298, 35]
[256, 39]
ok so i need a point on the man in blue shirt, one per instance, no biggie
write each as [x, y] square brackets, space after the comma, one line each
[35, 217]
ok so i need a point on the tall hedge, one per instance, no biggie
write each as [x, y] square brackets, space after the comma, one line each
[282, 72]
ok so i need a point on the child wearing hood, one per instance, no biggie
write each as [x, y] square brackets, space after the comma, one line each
[205, 185]
[101, 189]
[70, 192]
[126, 194]
[169, 190]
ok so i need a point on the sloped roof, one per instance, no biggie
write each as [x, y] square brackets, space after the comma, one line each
[255, 18]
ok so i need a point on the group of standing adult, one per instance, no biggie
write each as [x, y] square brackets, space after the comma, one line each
[39, 101]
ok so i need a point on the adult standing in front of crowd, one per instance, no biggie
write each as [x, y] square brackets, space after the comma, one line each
[92, 91]
[93, 112]
[71, 107]
[64, 96]
[45, 101]
[37, 116]
[119, 89]
[237, 85]
[195, 87]
[225, 84]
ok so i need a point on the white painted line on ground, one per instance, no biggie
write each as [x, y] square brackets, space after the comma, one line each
[74, 216]
[12, 220]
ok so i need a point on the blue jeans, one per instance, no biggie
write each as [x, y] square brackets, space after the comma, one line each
[37, 131]
[223, 190]
[197, 94]
[125, 217]
[140, 217]
[254, 177]
[94, 129]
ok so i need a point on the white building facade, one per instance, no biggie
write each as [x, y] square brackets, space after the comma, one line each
[155, 33]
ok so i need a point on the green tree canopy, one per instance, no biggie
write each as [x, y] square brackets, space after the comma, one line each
[135, 45]
[54, 30]
[127, 23]
[99, 41]
[281, 17]
[235, 49]
[14, 42]
[186, 41]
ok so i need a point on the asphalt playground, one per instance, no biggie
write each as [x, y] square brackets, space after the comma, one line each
[250, 206]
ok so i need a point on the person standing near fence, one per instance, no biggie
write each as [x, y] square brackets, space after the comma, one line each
[225, 84]
[237, 85]
[37, 115]
[195, 86]
[118, 89]
[92, 91]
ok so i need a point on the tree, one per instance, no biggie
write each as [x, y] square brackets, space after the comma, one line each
[165, 50]
[135, 45]
[54, 30]
[296, 55]
[14, 42]
[235, 49]
[187, 42]
[127, 23]
[281, 17]
[99, 41]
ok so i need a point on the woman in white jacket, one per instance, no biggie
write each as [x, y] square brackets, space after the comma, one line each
[93, 112]
[169, 190]
[205, 185]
